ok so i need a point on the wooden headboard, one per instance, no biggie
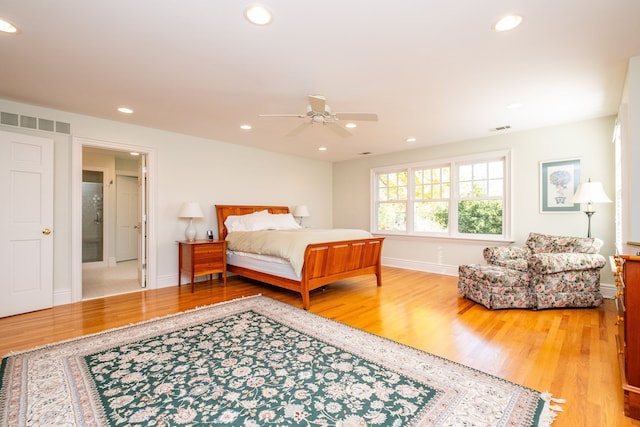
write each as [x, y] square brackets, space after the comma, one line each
[223, 211]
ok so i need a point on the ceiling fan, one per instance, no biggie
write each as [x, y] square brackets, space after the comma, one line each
[319, 112]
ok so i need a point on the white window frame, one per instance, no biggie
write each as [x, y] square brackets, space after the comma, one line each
[453, 164]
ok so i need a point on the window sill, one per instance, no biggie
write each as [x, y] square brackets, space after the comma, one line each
[450, 239]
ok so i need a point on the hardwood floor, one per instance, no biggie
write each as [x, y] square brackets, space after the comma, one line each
[568, 352]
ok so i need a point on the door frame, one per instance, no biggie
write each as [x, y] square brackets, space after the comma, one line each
[76, 208]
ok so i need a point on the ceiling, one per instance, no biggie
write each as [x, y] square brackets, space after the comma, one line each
[433, 70]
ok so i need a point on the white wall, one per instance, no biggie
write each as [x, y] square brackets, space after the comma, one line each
[588, 140]
[188, 169]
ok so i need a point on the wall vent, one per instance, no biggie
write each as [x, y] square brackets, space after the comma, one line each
[9, 119]
[44, 124]
[30, 122]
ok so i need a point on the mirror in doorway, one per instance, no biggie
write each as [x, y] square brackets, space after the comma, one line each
[92, 216]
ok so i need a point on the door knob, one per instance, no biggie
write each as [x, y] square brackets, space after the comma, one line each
[46, 231]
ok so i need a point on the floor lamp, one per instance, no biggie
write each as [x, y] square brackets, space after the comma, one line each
[589, 193]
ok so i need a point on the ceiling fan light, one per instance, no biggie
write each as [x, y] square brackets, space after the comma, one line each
[507, 23]
[351, 125]
[258, 14]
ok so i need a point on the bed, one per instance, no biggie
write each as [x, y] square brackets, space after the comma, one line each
[323, 263]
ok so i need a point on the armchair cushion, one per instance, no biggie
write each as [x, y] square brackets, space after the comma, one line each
[513, 257]
[545, 263]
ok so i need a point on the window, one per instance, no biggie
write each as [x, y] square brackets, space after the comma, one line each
[462, 198]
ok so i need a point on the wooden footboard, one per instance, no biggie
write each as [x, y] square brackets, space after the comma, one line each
[329, 262]
[324, 263]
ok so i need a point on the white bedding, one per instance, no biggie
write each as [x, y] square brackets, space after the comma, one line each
[288, 244]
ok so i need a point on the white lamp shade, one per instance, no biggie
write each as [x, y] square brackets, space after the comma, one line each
[301, 211]
[190, 210]
[590, 192]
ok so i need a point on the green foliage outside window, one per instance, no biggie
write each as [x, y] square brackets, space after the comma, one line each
[480, 216]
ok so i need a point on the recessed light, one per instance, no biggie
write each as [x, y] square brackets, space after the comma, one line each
[322, 149]
[245, 127]
[125, 110]
[351, 125]
[7, 27]
[412, 139]
[133, 153]
[258, 14]
[507, 23]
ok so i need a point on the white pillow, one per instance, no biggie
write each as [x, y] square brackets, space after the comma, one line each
[244, 222]
[282, 222]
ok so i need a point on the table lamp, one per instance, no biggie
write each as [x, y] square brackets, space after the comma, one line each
[301, 212]
[190, 210]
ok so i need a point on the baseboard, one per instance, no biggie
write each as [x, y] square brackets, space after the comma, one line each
[608, 290]
[427, 267]
[172, 280]
[62, 297]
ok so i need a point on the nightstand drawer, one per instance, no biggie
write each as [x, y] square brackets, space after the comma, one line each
[211, 264]
[209, 249]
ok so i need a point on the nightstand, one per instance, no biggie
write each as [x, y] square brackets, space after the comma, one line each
[202, 257]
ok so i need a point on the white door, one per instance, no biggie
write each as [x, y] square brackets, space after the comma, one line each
[126, 218]
[26, 223]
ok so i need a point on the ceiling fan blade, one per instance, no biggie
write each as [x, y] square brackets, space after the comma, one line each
[299, 129]
[338, 129]
[300, 116]
[317, 103]
[365, 117]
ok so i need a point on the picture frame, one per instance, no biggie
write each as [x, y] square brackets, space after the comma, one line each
[559, 180]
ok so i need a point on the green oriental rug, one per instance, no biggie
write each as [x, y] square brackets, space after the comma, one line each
[253, 362]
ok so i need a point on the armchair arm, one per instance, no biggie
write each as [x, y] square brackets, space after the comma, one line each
[547, 263]
[513, 257]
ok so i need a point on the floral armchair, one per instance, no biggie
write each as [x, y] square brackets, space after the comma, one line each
[561, 271]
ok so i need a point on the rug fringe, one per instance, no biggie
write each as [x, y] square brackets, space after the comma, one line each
[551, 408]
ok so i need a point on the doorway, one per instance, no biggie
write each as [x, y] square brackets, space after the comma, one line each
[111, 219]
[110, 212]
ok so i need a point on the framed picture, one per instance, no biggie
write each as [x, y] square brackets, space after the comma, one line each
[559, 181]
